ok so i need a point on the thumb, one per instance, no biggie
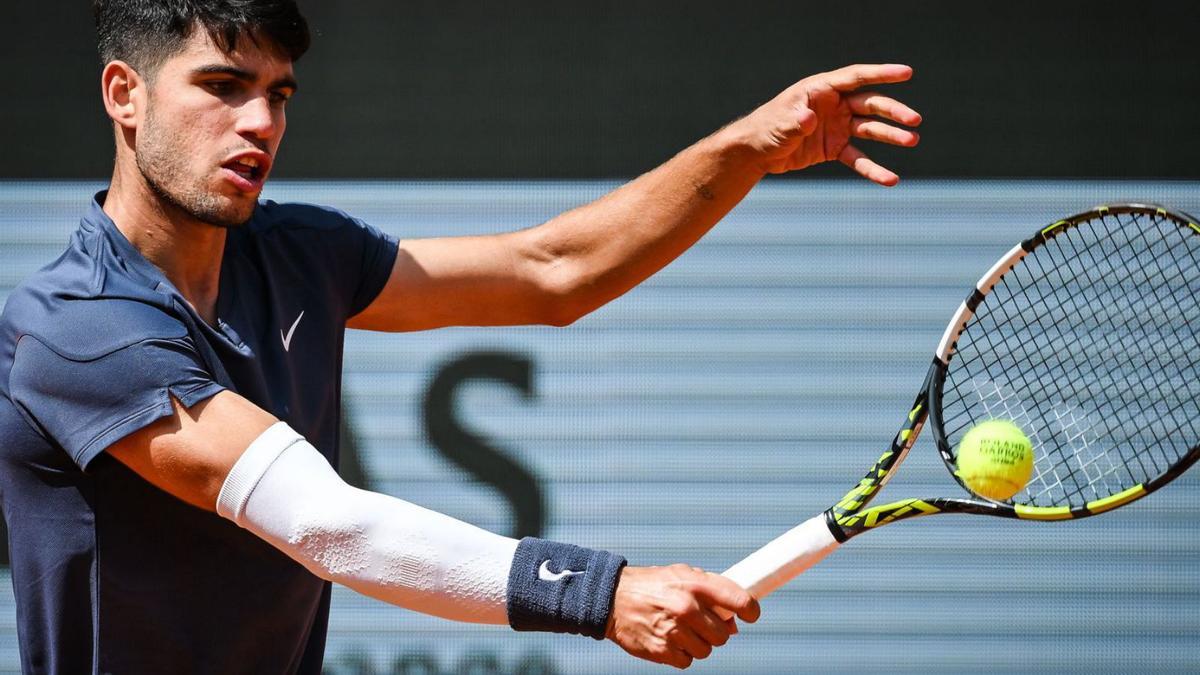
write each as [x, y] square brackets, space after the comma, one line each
[718, 591]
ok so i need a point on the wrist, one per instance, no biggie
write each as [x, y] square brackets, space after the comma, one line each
[562, 588]
[610, 626]
[737, 145]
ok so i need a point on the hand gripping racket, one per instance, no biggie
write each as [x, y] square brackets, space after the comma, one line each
[1086, 336]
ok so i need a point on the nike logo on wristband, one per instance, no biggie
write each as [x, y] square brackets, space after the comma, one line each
[545, 574]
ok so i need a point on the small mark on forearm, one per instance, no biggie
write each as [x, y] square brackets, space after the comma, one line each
[704, 191]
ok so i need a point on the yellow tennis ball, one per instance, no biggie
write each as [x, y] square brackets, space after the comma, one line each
[995, 459]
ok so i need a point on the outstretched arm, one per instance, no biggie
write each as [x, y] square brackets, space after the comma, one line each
[227, 455]
[561, 270]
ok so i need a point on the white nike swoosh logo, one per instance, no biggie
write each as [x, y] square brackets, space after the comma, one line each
[545, 574]
[287, 339]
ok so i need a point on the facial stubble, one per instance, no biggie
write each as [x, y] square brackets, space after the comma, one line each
[164, 167]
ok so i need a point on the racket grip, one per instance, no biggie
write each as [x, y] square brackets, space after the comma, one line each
[783, 559]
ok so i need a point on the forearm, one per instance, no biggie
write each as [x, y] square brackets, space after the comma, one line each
[560, 270]
[285, 492]
[599, 251]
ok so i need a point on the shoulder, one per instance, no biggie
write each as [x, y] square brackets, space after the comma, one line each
[85, 326]
[88, 302]
[321, 235]
[300, 222]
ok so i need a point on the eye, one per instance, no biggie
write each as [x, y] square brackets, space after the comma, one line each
[219, 87]
[280, 97]
[224, 88]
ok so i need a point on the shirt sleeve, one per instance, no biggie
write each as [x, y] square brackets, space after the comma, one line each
[86, 404]
[355, 259]
[375, 252]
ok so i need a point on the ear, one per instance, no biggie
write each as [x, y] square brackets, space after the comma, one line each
[123, 91]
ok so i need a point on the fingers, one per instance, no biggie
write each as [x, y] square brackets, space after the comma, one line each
[677, 658]
[861, 75]
[874, 130]
[871, 103]
[865, 167]
[730, 625]
[670, 614]
[711, 628]
[692, 644]
[721, 592]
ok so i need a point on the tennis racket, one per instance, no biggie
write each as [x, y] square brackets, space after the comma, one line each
[1085, 335]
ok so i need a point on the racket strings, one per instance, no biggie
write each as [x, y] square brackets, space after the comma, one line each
[1138, 332]
[1156, 459]
[1089, 344]
[1112, 349]
[1079, 442]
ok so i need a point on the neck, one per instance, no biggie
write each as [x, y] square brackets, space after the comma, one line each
[187, 251]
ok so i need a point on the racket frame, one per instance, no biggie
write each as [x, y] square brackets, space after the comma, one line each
[803, 546]
[851, 516]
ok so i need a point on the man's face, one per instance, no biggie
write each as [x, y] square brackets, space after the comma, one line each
[212, 125]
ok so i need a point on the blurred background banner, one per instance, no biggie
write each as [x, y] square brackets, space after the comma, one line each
[750, 383]
[742, 389]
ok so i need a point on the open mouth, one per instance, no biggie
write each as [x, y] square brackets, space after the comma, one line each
[246, 167]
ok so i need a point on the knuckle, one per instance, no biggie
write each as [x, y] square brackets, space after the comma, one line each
[680, 610]
[680, 605]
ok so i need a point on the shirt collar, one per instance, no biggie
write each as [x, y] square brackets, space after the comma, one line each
[95, 219]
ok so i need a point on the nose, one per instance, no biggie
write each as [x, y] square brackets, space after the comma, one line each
[257, 118]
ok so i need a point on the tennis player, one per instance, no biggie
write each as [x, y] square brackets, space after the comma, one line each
[170, 384]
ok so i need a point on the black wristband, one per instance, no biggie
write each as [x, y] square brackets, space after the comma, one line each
[562, 588]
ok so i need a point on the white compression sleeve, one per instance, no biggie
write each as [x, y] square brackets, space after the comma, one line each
[283, 490]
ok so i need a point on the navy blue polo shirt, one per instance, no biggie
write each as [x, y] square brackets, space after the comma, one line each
[111, 574]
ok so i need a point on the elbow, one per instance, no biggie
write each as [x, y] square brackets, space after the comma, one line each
[568, 286]
[558, 276]
[564, 297]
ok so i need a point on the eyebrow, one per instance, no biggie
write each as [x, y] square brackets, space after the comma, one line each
[285, 82]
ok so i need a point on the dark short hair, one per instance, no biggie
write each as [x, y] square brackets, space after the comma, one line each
[145, 33]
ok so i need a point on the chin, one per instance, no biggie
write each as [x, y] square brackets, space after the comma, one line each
[222, 211]
[228, 208]
[235, 217]
[215, 205]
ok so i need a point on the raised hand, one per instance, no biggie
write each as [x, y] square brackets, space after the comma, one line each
[815, 120]
[666, 614]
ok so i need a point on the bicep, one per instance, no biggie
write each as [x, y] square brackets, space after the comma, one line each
[188, 454]
[492, 280]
